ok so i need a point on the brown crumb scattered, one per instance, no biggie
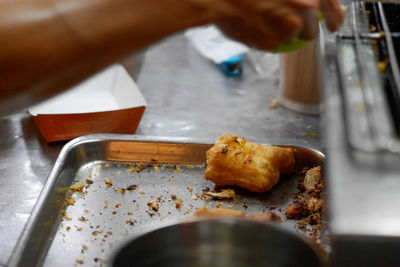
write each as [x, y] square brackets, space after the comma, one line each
[79, 229]
[178, 169]
[129, 221]
[114, 212]
[218, 205]
[312, 178]
[130, 213]
[173, 197]
[69, 202]
[273, 104]
[63, 213]
[95, 233]
[153, 204]
[78, 186]
[82, 219]
[84, 248]
[178, 203]
[68, 228]
[132, 187]
[314, 204]
[122, 191]
[224, 194]
[68, 218]
[79, 261]
[85, 211]
[187, 211]
[108, 182]
[117, 205]
[88, 181]
[141, 192]
[189, 189]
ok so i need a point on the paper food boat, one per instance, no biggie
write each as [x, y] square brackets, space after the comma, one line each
[109, 102]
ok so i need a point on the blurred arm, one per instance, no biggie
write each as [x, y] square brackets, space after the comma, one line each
[48, 45]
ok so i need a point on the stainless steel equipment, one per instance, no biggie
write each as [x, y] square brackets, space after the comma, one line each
[218, 243]
[362, 112]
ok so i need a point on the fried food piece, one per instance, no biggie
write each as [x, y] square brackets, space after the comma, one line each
[296, 210]
[222, 212]
[219, 212]
[234, 161]
[312, 178]
[224, 194]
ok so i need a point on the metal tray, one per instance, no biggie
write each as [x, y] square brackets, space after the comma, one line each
[103, 217]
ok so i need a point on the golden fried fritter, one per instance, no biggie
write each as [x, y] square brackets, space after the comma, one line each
[219, 212]
[234, 161]
[222, 212]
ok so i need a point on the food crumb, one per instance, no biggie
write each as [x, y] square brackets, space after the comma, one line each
[153, 204]
[273, 104]
[132, 187]
[108, 182]
[78, 186]
[178, 203]
[130, 213]
[70, 202]
[122, 191]
[82, 219]
[224, 194]
[84, 248]
[178, 169]
[141, 192]
[88, 181]
[79, 229]
[117, 205]
[129, 221]
[68, 228]
[173, 197]
[79, 261]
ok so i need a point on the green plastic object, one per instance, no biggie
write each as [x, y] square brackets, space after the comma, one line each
[298, 43]
[291, 46]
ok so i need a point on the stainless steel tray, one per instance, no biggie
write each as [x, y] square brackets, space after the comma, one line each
[103, 217]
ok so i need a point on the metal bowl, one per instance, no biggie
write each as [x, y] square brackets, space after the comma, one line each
[228, 242]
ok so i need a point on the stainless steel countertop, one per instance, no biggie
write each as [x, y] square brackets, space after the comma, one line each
[187, 95]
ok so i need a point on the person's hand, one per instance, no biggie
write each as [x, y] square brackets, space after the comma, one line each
[266, 24]
[333, 14]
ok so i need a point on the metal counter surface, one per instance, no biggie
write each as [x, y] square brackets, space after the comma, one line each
[188, 96]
